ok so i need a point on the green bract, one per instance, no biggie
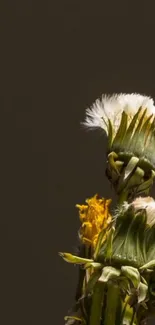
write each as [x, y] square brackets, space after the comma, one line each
[131, 159]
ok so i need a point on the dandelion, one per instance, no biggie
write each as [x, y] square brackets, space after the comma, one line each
[111, 108]
[94, 216]
[129, 123]
[117, 258]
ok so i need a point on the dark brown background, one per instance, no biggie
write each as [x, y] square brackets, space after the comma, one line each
[56, 58]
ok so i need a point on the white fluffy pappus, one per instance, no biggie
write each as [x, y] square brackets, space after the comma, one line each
[112, 107]
[146, 203]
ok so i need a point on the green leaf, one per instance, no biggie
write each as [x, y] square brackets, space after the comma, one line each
[74, 259]
[142, 292]
[109, 273]
[132, 274]
[121, 132]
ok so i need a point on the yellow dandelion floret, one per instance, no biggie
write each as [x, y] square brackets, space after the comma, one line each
[94, 216]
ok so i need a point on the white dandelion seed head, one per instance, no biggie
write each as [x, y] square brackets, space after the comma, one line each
[141, 203]
[107, 108]
[132, 102]
[112, 107]
[148, 204]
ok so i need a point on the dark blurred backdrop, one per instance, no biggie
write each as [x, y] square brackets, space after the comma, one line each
[56, 58]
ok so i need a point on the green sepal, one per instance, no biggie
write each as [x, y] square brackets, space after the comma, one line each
[130, 129]
[71, 320]
[149, 145]
[130, 167]
[132, 274]
[115, 173]
[105, 250]
[123, 222]
[142, 292]
[127, 172]
[120, 132]
[140, 141]
[143, 280]
[95, 265]
[140, 220]
[133, 244]
[145, 164]
[145, 186]
[100, 240]
[109, 241]
[148, 265]
[111, 160]
[91, 282]
[137, 133]
[124, 284]
[136, 179]
[119, 165]
[149, 242]
[125, 156]
[109, 273]
[127, 246]
[110, 134]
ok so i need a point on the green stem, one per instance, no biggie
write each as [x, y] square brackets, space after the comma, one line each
[112, 305]
[97, 303]
[122, 197]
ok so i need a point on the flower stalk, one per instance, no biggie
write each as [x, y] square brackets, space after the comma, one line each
[113, 303]
[97, 304]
